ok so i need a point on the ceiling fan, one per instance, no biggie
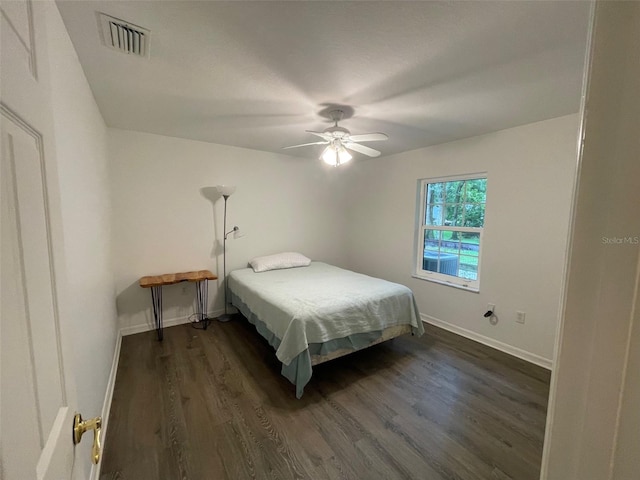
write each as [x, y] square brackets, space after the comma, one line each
[339, 140]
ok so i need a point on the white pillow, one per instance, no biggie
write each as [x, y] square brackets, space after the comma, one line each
[278, 261]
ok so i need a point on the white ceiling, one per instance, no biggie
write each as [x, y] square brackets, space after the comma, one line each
[258, 74]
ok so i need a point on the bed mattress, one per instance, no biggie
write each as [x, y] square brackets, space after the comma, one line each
[318, 309]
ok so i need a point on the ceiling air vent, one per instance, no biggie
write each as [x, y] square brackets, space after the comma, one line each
[124, 36]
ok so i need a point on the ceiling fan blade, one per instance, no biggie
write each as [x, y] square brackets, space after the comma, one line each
[305, 144]
[320, 134]
[356, 147]
[368, 137]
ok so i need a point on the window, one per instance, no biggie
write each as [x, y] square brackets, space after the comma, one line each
[449, 234]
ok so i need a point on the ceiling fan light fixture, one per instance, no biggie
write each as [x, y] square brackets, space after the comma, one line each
[335, 155]
[343, 155]
[330, 156]
[338, 139]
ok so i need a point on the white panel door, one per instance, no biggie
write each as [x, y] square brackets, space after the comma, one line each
[37, 403]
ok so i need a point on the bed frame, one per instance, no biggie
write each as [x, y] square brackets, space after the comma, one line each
[387, 334]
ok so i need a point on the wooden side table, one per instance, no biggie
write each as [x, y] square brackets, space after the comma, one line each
[155, 283]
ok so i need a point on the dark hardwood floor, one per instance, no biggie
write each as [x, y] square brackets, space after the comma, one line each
[213, 405]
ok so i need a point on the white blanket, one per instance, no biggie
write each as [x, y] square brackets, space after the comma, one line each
[321, 302]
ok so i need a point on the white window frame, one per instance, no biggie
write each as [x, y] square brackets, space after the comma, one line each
[421, 227]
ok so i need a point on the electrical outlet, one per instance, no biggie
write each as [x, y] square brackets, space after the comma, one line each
[520, 316]
[491, 307]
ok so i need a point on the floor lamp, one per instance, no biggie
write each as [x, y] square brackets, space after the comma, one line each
[225, 191]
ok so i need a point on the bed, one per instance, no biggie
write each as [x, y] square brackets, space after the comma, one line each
[319, 312]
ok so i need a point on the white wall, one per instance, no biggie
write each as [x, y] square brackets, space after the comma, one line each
[594, 422]
[81, 148]
[530, 176]
[168, 215]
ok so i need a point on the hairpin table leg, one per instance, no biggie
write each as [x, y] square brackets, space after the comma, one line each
[202, 293]
[156, 299]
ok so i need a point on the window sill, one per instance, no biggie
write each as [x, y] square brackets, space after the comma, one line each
[448, 284]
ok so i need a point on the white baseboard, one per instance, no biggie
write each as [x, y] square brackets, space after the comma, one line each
[106, 406]
[490, 342]
[146, 327]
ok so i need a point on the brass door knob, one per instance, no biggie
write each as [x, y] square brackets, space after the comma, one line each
[80, 426]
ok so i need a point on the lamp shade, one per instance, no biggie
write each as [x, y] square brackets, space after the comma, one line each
[329, 156]
[343, 155]
[335, 155]
[226, 190]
